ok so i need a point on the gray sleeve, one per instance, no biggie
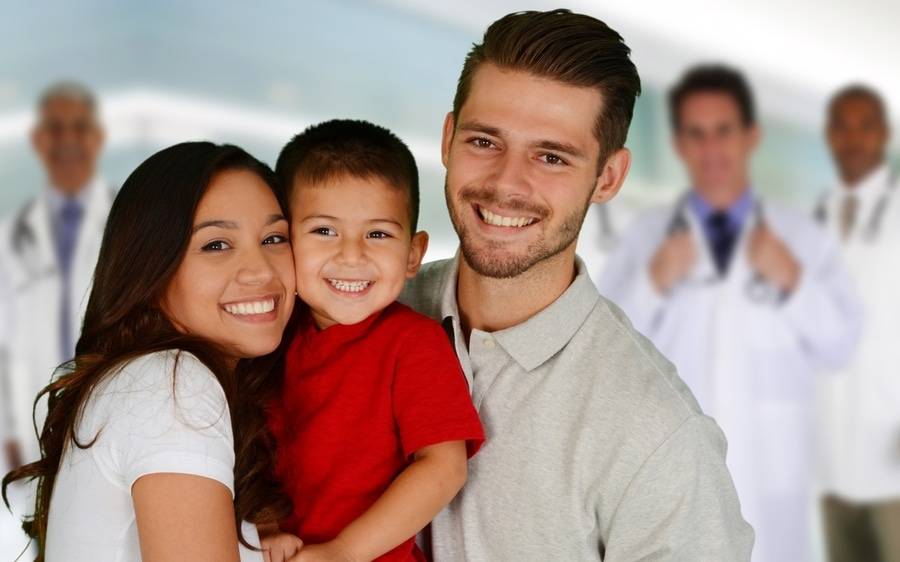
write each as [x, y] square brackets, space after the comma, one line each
[681, 505]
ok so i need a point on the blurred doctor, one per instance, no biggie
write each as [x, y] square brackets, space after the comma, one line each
[860, 408]
[747, 299]
[48, 250]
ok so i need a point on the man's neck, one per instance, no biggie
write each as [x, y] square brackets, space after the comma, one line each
[722, 199]
[851, 180]
[70, 189]
[490, 304]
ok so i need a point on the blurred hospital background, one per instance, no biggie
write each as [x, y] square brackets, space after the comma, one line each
[254, 74]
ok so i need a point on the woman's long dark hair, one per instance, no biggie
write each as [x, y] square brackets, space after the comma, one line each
[146, 237]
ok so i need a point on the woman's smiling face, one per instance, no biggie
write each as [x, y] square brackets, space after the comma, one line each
[235, 285]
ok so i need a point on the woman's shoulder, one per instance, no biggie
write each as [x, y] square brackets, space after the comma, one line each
[146, 386]
[167, 369]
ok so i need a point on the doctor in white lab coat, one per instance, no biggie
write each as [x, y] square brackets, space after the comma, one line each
[859, 414]
[748, 299]
[48, 250]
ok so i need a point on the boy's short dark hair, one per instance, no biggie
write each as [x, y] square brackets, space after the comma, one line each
[712, 78]
[340, 147]
[574, 49]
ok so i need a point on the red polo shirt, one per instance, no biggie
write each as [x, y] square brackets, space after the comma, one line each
[357, 402]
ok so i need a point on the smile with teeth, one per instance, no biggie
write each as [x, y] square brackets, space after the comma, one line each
[249, 308]
[347, 286]
[499, 220]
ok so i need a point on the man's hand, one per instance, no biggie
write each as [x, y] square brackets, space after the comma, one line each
[673, 260]
[772, 259]
[331, 551]
[280, 547]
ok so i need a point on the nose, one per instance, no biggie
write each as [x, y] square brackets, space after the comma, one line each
[352, 251]
[255, 268]
[510, 176]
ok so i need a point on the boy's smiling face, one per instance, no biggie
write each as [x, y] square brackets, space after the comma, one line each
[353, 249]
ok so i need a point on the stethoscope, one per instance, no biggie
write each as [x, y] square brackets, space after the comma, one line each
[873, 225]
[757, 288]
[24, 246]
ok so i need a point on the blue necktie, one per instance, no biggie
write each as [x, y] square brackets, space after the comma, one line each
[721, 239]
[66, 237]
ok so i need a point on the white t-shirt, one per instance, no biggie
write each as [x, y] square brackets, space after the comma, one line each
[148, 423]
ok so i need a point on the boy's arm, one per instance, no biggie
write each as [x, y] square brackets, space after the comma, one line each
[430, 482]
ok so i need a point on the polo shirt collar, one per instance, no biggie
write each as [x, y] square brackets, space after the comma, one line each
[542, 336]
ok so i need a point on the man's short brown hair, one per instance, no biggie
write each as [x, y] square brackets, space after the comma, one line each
[572, 48]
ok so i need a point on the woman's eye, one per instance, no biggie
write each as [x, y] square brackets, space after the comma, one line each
[379, 234]
[216, 246]
[552, 159]
[324, 231]
[275, 239]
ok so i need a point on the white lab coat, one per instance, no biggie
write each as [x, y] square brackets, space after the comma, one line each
[750, 363]
[859, 408]
[30, 296]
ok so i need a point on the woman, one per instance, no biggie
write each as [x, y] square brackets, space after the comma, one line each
[155, 445]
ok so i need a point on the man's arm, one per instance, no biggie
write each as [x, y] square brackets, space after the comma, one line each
[681, 504]
[627, 280]
[823, 308]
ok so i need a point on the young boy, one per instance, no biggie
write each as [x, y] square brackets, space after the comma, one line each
[375, 423]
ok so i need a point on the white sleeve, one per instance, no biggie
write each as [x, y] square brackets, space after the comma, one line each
[626, 280]
[163, 423]
[6, 410]
[825, 310]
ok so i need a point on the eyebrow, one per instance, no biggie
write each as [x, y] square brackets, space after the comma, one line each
[331, 218]
[546, 144]
[232, 225]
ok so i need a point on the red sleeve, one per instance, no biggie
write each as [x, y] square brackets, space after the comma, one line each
[431, 397]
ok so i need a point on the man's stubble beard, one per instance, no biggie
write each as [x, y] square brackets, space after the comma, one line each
[486, 262]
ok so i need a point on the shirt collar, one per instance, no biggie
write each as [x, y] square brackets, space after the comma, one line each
[870, 186]
[56, 198]
[737, 212]
[542, 336]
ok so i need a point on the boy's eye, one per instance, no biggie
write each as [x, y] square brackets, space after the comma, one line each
[275, 239]
[216, 246]
[552, 159]
[324, 231]
[379, 234]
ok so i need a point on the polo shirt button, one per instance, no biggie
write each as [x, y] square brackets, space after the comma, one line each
[489, 343]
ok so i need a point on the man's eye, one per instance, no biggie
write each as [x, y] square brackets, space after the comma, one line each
[553, 159]
[275, 239]
[324, 231]
[216, 246]
[379, 234]
[481, 142]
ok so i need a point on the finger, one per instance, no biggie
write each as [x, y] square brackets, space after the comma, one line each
[266, 556]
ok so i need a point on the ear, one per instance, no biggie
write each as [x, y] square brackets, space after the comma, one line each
[416, 253]
[612, 176]
[755, 136]
[35, 138]
[447, 137]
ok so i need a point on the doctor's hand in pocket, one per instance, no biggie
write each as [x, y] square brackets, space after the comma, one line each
[673, 260]
[280, 547]
[771, 258]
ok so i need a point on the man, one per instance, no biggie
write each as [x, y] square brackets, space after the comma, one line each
[746, 298]
[48, 250]
[859, 414]
[595, 449]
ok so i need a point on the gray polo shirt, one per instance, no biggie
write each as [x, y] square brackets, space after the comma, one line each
[595, 449]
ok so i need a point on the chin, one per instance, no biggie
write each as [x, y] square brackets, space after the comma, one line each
[257, 349]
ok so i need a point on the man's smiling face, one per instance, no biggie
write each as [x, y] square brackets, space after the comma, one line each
[522, 165]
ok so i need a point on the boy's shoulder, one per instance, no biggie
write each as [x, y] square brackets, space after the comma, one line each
[424, 292]
[401, 319]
